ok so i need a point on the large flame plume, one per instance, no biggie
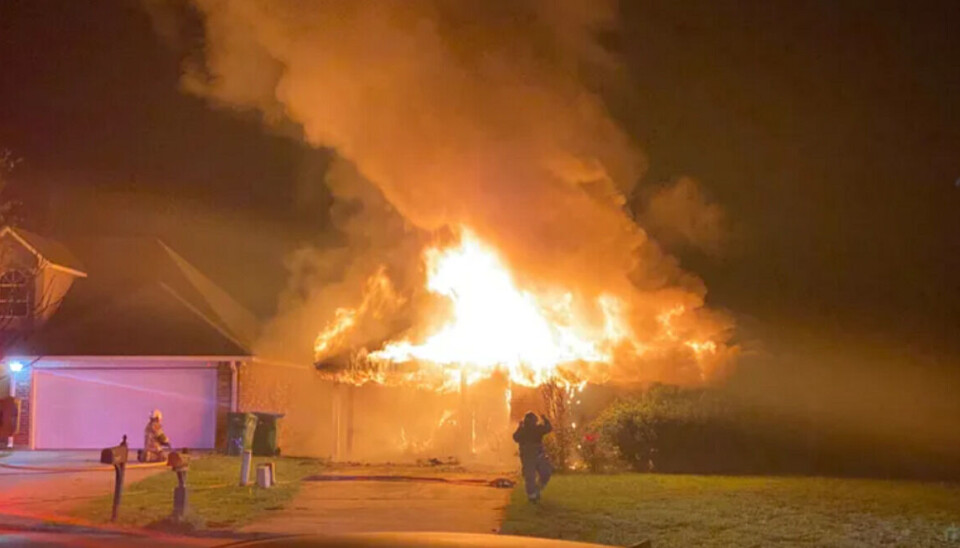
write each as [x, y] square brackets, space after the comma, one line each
[492, 325]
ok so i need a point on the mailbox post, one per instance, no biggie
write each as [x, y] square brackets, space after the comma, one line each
[116, 456]
[179, 464]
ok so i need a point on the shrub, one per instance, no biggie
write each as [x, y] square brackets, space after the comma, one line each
[666, 429]
[559, 445]
[598, 454]
[627, 426]
[556, 452]
[708, 431]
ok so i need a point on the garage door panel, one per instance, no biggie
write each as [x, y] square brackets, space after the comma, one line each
[93, 408]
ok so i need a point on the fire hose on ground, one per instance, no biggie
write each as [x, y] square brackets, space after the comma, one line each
[499, 483]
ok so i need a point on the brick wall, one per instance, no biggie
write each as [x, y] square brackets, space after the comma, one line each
[24, 383]
[223, 403]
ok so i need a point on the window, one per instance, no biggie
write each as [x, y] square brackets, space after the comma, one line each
[14, 294]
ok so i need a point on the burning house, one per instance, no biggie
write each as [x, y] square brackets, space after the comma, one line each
[491, 337]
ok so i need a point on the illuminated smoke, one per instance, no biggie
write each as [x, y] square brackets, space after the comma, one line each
[680, 214]
[460, 116]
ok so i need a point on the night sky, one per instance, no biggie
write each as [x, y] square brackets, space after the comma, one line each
[828, 131]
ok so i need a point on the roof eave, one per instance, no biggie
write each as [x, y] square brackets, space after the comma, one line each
[31, 249]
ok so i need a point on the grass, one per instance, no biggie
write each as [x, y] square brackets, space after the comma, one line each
[676, 510]
[214, 496]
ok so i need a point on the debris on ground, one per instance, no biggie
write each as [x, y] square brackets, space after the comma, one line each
[499, 483]
[448, 461]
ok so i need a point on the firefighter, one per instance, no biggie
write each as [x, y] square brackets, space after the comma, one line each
[155, 442]
[533, 459]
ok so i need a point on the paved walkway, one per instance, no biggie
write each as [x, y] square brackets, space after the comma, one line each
[68, 478]
[398, 504]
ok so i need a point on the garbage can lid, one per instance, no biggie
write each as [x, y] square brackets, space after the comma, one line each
[267, 414]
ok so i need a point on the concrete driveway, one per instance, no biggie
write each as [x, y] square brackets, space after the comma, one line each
[348, 499]
[392, 498]
[47, 483]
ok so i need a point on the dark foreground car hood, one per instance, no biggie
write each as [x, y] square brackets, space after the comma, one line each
[101, 539]
[405, 540]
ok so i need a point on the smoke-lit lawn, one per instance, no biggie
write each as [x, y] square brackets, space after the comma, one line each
[686, 511]
[215, 498]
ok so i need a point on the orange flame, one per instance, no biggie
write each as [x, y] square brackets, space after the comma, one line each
[495, 325]
[379, 297]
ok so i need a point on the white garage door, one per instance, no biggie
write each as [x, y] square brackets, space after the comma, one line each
[93, 408]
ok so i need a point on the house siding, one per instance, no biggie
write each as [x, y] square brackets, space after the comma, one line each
[13, 256]
[51, 288]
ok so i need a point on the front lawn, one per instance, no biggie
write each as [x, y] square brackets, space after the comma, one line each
[683, 511]
[214, 494]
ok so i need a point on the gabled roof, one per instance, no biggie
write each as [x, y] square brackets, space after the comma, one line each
[53, 252]
[141, 298]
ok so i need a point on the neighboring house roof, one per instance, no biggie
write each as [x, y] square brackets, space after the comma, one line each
[142, 299]
[53, 252]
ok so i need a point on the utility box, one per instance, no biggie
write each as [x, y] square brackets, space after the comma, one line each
[265, 437]
[240, 432]
[265, 476]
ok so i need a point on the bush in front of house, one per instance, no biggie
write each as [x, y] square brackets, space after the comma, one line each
[706, 431]
[669, 429]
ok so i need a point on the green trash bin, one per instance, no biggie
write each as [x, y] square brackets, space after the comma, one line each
[265, 437]
[240, 432]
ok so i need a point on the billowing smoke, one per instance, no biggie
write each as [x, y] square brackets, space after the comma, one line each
[373, 238]
[681, 215]
[447, 114]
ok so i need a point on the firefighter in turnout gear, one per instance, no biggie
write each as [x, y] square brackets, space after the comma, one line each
[155, 442]
[533, 460]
